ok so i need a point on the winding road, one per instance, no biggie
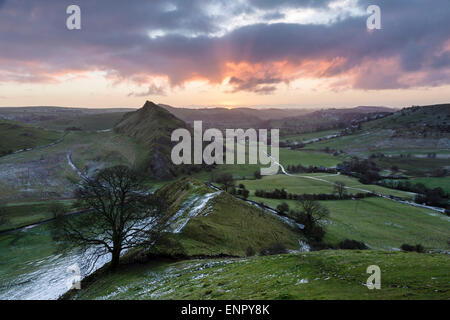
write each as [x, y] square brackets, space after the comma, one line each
[317, 178]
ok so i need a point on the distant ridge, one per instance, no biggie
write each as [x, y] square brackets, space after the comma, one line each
[267, 118]
[233, 118]
[419, 130]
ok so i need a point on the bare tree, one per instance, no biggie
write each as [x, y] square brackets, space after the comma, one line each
[283, 208]
[226, 180]
[312, 213]
[340, 189]
[122, 216]
[57, 209]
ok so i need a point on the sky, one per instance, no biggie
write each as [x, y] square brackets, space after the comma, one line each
[232, 53]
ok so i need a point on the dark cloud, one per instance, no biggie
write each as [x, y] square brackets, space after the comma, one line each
[441, 61]
[35, 45]
[264, 85]
[153, 90]
[270, 4]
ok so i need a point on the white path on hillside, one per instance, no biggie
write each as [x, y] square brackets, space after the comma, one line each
[190, 209]
[74, 167]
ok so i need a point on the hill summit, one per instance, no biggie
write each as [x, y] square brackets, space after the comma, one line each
[152, 126]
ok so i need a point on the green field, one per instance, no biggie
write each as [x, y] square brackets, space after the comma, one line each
[431, 183]
[380, 223]
[385, 224]
[308, 158]
[308, 184]
[21, 214]
[21, 136]
[316, 275]
[287, 157]
[87, 122]
[19, 248]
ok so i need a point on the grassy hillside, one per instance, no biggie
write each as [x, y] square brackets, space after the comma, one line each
[152, 126]
[16, 215]
[216, 223]
[45, 173]
[18, 136]
[385, 224]
[427, 122]
[87, 122]
[416, 130]
[420, 167]
[316, 183]
[380, 223]
[59, 118]
[287, 157]
[308, 136]
[328, 119]
[314, 275]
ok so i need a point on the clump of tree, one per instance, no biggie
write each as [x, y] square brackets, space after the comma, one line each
[440, 172]
[276, 194]
[411, 248]
[226, 180]
[293, 145]
[310, 169]
[283, 208]
[311, 214]
[378, 155]
[340, 189]
[283, 194]
[433, 197]
[250, 252]
[257, 175]
[366, 170]
[122, 215]
[240, 191]
[73, 129]
[348, 244]
[5, 153]
[57, 209]
[276, 248]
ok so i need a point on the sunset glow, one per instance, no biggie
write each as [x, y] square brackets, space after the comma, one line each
[243, 53]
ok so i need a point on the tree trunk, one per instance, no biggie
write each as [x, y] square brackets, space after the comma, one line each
[115, 259]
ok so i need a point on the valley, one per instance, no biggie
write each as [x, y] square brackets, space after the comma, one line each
[218, 246]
